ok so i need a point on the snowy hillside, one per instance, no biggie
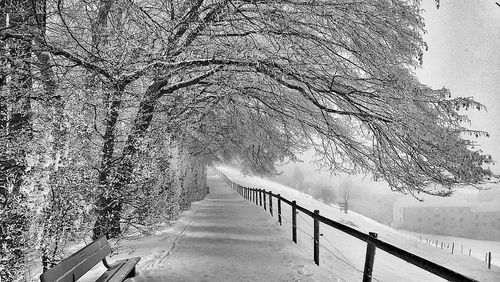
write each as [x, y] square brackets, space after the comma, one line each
[477, 248]
[345, 255]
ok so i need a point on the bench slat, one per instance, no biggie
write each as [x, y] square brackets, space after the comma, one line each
[110, 272]
[119, 271]
[90, 262]
[79, 263]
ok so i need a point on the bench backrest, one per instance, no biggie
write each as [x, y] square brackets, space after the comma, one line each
[78, 263]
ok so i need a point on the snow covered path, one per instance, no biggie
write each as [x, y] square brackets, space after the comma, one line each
[226, 238]
[230, 239]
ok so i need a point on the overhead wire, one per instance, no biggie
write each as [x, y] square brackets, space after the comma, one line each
[331, 244]
[343, 259]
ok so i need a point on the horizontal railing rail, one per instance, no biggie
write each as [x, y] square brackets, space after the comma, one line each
[258, 196]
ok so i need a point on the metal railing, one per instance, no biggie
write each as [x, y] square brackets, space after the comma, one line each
[258, 196]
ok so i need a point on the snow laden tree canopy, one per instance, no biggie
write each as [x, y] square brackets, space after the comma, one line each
[334, 75]
[262, 81]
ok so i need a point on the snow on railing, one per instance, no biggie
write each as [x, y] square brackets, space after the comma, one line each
[258, 196]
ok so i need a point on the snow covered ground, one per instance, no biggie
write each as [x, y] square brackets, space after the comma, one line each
[174, 253]
[152, 249]
[221, 238]
[345, 255]
[477, 248]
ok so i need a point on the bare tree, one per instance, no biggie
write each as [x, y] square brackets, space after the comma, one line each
[345, 190]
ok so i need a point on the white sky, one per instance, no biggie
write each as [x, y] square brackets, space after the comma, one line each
[464, 55]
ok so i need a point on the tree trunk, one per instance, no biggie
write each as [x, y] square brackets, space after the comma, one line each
[141, 124]
[108, 219]
[109, 206]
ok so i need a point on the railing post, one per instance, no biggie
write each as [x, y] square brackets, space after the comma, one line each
[264, 196]
[260, 197]
[370, 258]
[316, 238]
[279, 209]
[294, 221]
[255, 197]
[271, 203]
[489, 260]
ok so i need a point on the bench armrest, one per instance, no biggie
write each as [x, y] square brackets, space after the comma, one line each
[105, 262]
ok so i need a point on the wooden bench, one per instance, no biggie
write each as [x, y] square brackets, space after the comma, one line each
[79, 263]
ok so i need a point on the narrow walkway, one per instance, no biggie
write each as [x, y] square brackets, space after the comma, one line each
[231, 239]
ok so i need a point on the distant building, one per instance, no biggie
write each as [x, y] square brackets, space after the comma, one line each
[445, 216]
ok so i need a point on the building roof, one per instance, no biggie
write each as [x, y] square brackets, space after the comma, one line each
[447, 202]
[435, 202]
[489, 206]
